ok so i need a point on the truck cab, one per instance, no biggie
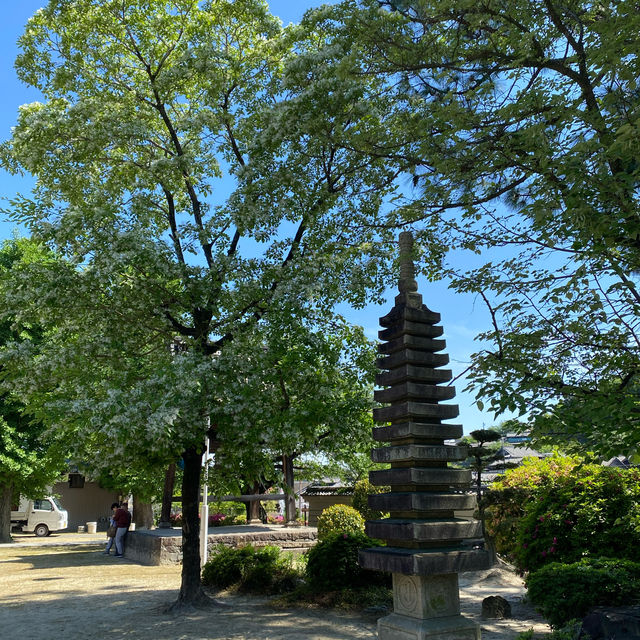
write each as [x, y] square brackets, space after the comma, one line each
[39, 516]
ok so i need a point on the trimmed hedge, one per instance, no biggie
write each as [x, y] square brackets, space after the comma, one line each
[339, 518]
[563, 592]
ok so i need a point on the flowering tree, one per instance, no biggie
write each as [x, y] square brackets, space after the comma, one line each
[147, 105]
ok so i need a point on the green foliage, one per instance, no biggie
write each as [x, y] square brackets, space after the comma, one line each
[299, 380]
[145, 107]
[261, 570]
[562, 592]
[479, 455]
[569, 632]
[333, 563]
[361, 490]
[558, 510]
[224, 566]
[31, 457]
[506, 502]
[592, 512]
[511, 144]
[339, 518]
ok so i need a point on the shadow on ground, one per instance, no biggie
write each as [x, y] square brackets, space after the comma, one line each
[77, 593]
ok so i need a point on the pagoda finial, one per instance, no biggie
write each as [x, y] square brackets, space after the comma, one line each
[407, 282]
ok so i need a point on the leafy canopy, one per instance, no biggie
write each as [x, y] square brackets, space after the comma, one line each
[518, 126]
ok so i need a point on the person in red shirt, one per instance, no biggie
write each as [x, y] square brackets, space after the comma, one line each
[122, 519]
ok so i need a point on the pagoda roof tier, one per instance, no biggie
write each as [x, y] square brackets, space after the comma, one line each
[408, 341]
[402, 312]
[421, 501]
[406, 327]
[424, 562]
[407, 410]
[412, 373]
[407, 389]
[418, 453]
[424, 530]
[410, 429]
[420, 476]
[413, 356]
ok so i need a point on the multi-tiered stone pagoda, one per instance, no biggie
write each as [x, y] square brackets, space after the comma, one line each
[427, 545]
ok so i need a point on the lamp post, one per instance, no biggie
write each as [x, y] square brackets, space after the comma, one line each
[204, 510]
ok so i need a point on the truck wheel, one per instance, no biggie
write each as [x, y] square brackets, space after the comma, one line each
[41, 530]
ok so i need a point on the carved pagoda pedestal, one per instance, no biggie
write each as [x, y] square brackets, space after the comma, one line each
[427, 545]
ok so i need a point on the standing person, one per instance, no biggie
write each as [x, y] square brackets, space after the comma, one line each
[112, 526]
[122, 519]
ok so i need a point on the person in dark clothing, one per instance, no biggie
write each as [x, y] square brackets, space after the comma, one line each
[112, 523]
[122, 519]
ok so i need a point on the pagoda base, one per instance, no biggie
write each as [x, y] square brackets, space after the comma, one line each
[399, 627]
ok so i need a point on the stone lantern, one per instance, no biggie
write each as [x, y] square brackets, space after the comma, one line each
[427, 545]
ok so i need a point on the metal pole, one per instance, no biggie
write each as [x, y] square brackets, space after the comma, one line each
[204, 511]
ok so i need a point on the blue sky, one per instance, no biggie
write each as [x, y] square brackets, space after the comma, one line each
[463, 316]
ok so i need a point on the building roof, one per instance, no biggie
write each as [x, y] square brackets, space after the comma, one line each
[327, 488]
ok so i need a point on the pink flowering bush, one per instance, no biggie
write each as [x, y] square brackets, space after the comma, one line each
[588, 514]
[511, 494]
[275, 519]
[217, 519]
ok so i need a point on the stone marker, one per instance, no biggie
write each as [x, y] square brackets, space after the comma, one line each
[496, 607]
[427, 545]
[603, 623]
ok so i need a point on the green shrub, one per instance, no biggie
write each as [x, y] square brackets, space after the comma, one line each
[339, 518]
[588, 514]
[225, 565]
[333, 563]
[562, 592]
[506, 503]
[558, 510]
[361, 492]
[262, 570]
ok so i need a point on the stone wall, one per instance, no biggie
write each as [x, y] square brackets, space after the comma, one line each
[162, 546]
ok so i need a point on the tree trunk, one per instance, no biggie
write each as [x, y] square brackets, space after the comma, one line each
[6, 495]
[253, 507]
[290, 500]
[254, 512]
[142, 514]
[191, 592]
[167, 496]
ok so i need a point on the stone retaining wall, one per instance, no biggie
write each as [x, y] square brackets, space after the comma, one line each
[160, 547]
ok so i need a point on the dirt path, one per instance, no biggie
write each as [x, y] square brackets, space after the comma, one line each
[75, 592]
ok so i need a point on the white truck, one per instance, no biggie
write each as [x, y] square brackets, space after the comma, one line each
[39, 516]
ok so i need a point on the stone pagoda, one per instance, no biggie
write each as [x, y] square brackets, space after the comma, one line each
[427, 545]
